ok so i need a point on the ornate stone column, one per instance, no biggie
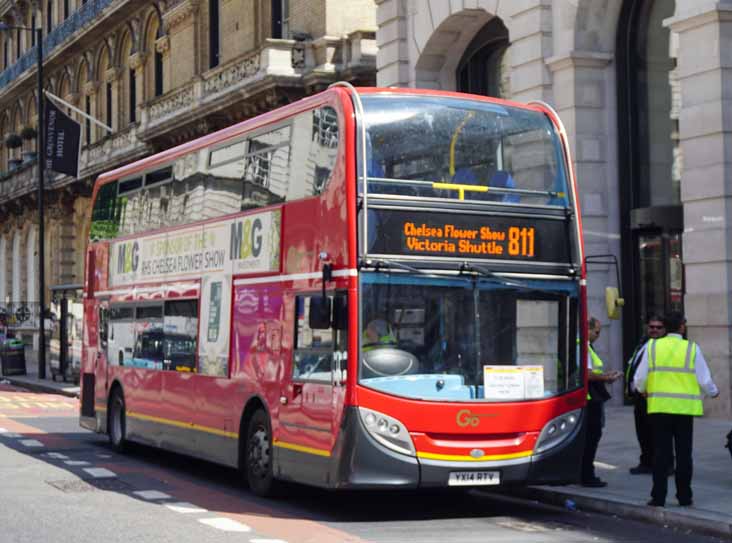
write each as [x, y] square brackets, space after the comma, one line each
[112, 75]
[90, 89]
[392, 58]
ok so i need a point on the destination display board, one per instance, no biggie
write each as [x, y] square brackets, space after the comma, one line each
[426, 233]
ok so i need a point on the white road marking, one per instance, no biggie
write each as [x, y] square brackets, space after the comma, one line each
[225, 524]
[151, 495]
[100, 473]
[603, 465]
[11, 434]
[57, 455]
[31, 443]
[104, 456]
[76, 463]
[185, 507]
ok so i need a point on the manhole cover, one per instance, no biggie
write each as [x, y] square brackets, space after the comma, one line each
[79, 485]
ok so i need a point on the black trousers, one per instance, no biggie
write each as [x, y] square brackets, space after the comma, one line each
[592, 439]
[672, 433]
[643, 430]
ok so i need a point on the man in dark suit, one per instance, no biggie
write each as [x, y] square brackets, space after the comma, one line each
[654, 330]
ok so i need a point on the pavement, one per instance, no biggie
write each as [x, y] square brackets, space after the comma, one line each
[626, 495]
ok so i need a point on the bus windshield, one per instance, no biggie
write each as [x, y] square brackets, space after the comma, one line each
[503, 154]
[468, 339]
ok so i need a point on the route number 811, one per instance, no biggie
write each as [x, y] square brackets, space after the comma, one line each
[521, 241]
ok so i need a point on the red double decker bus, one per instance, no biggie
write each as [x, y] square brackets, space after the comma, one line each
[368, 288]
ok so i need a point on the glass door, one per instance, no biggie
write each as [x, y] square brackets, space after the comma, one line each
[660, 286]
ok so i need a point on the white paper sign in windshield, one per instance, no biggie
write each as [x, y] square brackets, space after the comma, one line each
[506, 383]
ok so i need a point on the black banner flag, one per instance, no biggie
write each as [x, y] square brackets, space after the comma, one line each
[63, 136]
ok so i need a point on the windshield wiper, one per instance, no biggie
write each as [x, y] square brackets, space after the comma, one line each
[378, 263]
[480, 270]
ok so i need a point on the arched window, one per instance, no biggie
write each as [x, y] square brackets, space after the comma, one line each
[104, 93]
[649, 163]
[482, 68]
[154, 65]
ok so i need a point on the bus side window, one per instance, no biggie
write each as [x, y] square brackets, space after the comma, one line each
[181, 326]
[103, 327]
[313, 347]
[316, 350]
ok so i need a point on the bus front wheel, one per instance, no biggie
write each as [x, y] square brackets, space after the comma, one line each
[117, 423]
[258, 459]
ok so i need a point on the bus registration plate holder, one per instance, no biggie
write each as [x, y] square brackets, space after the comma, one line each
[474, 478]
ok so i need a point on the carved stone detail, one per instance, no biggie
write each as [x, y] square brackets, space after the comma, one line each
[90, 88]
[136, 60]
[162, 45]
[179, 14]
[231, 75]
[182, 98]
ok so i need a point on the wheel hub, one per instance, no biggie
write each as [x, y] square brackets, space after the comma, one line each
[259, 454]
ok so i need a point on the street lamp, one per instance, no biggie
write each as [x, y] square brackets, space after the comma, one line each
[40, 144]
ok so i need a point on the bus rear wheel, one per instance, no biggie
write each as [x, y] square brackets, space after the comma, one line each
[258, 456]
[117, 424]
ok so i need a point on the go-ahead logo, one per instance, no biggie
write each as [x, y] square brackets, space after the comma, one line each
[467, 418]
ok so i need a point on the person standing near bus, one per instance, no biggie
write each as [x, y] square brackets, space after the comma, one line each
[673, 373]
[596, 399]
[655, 329]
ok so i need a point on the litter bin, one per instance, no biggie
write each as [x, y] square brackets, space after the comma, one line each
[12, 357]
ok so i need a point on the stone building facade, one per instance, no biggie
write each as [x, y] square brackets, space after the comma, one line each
[644, 88]
[158, 74]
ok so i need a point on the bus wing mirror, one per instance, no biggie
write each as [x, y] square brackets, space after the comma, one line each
[340, 313]
[320, 311]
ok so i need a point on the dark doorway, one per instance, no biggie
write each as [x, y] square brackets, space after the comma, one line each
[649, 166]
[481, 69]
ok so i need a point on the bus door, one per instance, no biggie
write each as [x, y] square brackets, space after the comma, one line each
[313, 392]
[101, 361]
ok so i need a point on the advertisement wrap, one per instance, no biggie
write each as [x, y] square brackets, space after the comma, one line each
[249, 244]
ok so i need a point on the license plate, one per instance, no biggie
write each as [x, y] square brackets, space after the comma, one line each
[472, 478]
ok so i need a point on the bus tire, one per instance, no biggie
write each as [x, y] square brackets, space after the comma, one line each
[258, 456]
[117, 424]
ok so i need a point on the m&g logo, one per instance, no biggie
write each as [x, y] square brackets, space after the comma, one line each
[246, 239]
[128, 257]
[466, 418]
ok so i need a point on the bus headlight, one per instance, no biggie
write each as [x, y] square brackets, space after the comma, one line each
[557, 430]
[387, 430]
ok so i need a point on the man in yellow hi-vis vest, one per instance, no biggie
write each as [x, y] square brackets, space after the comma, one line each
[596, 398]
[673, 374]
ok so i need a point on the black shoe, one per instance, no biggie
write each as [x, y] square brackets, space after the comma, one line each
[686, 503]
[654, 503]
[594, 483]
[640, 469]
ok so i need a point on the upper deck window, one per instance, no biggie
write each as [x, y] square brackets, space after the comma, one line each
[289, 162]
[494, 152]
